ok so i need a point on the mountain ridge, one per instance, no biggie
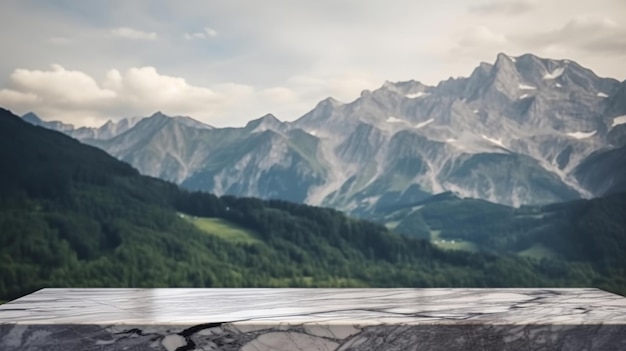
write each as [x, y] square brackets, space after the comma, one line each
[554, 112]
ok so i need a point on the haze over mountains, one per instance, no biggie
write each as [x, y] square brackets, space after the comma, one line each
[524, 130]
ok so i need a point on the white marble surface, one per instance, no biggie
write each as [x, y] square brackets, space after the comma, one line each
[345, 306]
[314, 319]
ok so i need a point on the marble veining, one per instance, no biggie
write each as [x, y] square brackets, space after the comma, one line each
[314, 319]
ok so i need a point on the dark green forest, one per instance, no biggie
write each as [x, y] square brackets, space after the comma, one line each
[581, 230]
[73, 216]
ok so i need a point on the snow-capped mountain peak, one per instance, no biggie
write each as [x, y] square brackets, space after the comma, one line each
[513, 132]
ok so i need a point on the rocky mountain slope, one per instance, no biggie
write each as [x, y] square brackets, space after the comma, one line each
[514, 132]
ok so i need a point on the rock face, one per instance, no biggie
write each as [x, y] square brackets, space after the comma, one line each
[515, 132]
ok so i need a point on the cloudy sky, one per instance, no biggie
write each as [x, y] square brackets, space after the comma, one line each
[226, 62]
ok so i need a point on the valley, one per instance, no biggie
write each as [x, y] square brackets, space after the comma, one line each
[71, 215]
[512, 177]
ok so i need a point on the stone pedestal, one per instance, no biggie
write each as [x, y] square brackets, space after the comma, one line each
[314, 319]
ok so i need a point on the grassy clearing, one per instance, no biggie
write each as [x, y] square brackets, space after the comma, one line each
[448, 244]
[416, 208]
[392, 225]
[224, 229]
[537, 251]
[531, 216]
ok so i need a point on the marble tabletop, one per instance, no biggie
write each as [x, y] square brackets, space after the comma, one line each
[314, 320]
[186, 307]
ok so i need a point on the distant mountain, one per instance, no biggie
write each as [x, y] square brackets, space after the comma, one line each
[514, 132]
[55, 125]
[256, 161]
[108, 130]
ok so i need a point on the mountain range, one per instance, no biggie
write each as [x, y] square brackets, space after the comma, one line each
[522, 131]
[73, 216]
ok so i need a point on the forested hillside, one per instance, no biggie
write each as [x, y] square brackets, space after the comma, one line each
[72, 216]
[581, 231]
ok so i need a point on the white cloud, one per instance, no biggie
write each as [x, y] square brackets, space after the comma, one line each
[587, 22]
[144, 87]
[210, 32]
[75, 97]
[191, 36]
[60, 40]
[482, 36]
[585, 33]
[348, 86]
[131, 33]
[62, 87]
[234, 89]
[509, 8]
[304, 81]
[206, 33]
[278, 95]
[17, 98]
